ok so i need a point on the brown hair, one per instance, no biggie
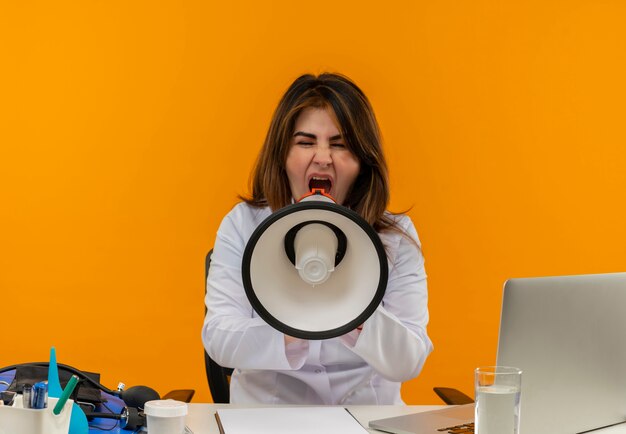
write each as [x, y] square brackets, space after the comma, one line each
[369, 194]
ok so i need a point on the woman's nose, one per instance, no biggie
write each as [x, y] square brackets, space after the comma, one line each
[323, 156]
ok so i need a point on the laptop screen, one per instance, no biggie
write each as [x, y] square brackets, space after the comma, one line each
[568, 335]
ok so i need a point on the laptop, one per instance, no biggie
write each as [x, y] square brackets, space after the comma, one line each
[568, 335]
[458, 418]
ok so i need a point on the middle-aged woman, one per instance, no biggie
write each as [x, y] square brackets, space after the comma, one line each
[323, 134]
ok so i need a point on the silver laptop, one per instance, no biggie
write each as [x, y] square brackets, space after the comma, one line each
[568, 335]
[435, 421]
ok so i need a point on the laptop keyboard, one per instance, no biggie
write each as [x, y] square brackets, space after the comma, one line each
[466, 428]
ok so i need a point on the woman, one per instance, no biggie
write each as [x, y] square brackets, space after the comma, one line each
[323, 134]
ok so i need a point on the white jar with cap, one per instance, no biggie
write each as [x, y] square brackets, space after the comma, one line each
[165, 416]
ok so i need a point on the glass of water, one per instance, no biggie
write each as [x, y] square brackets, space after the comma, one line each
[498, 392]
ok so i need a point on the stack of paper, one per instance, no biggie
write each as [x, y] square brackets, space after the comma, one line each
[288, 420]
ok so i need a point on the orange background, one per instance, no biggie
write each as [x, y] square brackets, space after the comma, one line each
[128, 128]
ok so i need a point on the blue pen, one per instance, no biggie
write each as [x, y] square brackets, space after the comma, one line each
[40, 395]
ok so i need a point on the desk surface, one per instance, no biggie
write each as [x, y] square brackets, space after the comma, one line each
[201, 419]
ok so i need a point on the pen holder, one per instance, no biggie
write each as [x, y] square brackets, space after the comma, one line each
[17, 419]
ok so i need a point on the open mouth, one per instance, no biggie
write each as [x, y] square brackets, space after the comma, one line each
[320, 183]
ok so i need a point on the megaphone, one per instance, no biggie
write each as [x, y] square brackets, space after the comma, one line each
[314, 269]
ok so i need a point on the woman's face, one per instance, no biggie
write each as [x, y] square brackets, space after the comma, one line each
[318, 157]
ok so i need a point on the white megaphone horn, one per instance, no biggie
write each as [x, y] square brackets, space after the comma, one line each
[314, 269]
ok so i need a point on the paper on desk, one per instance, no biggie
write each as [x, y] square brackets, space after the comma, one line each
[288, 420]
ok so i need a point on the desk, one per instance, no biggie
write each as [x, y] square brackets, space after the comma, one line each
[201, 419]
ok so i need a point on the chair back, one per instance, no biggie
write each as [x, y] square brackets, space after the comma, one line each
[217, 376]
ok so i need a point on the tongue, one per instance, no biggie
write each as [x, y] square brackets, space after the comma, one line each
[322, 184]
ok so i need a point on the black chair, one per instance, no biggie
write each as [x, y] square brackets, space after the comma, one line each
[217, 376]
[452, 396]
[183, 395]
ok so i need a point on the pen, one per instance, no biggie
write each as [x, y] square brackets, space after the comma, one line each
[69, 388]
[39, 398]
[27, 393]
